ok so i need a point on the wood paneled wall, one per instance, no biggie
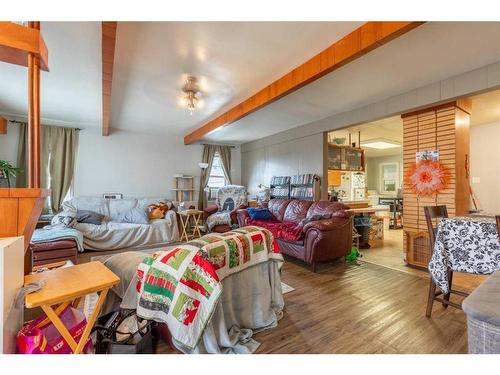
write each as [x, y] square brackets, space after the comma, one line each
[444, 128]
[3, 125]
[19, 212]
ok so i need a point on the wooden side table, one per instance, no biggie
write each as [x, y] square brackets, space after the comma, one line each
[67, 286]
[193, 217]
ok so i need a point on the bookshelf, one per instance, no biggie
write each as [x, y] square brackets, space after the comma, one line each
[183, 188]
[305, 187]
[280, 187]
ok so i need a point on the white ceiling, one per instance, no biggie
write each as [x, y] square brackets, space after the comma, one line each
[390, 129]
[233, 60]
[429, 53]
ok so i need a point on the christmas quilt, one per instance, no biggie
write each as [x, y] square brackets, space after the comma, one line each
[181, 286]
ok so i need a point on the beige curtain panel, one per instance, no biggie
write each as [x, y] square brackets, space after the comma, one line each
[59, 147]
[207, 157]
[225, 157]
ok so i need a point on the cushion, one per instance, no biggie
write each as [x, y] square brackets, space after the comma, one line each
[89, 217]
[96, 204]
[291, 231]
[119, 206]
[260, 214]
[315, 218]
[159, 209]
[133, 216]
[65, 218]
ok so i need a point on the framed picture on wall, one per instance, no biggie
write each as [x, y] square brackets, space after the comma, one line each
[389, 178]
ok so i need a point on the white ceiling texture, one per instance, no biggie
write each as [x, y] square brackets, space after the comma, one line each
[232, 61]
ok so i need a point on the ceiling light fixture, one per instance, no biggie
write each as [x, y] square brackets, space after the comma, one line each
[192, 94]
[380, 144]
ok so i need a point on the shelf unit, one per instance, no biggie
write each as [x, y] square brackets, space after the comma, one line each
[345, 158]
[304, 187]
[183, 188]
[280, 187]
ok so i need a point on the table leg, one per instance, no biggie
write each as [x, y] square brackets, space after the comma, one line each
[77, 348]
[91, 321]
[60, 326]
[196, 229]
[184, 228]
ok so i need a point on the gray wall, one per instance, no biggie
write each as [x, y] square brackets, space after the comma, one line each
[126, 162]
[298, 156]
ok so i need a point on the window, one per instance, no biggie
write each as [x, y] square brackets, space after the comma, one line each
[389, 178]
[217, 178]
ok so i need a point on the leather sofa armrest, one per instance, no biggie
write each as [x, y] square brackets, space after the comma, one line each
[326, 225]
[234, 213]
[210, 210]
[242, 216]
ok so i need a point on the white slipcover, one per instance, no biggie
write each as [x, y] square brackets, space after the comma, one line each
[110, 235]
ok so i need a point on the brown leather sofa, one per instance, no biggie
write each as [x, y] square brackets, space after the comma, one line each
[321, 240]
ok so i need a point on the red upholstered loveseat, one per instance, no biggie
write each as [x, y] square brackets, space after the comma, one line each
[317, 241]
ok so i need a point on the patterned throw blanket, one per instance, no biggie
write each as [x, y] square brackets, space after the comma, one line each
[181, 286]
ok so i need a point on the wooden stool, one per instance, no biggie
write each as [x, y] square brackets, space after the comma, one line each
[67, 286]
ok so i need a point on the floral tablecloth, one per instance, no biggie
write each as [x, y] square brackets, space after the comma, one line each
[464, 244]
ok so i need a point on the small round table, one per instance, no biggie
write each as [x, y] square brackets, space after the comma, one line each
[193, 216]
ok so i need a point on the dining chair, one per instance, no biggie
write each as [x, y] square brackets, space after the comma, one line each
[438, 212]
[498, 224]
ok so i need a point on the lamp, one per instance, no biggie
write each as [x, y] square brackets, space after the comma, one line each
[264, 194]
[192, 94]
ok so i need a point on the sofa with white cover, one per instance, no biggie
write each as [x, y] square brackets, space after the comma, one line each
[112, 235]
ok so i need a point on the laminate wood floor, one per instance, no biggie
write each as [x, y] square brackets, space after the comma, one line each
[359, 309]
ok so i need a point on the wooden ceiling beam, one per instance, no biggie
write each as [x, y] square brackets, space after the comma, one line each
[364, 39]
[108, 59]
[18, 41]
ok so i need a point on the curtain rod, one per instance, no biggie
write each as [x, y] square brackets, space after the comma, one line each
[213, 144]
[25, 122]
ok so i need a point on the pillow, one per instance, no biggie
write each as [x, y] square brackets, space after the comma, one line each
[65, 219]
[89, 217]
[260, 214]
[133, 216]
[157, 210]
[315, 218]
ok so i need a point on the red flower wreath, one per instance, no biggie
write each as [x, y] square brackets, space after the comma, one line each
[427, 177]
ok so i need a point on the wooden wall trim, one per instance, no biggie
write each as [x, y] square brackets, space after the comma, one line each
[366, 38]
[3, 125]
[444, 128]
[108, 58]
[17, 41]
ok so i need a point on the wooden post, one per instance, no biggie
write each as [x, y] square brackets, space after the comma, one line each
[444, 128]
[34, 129]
